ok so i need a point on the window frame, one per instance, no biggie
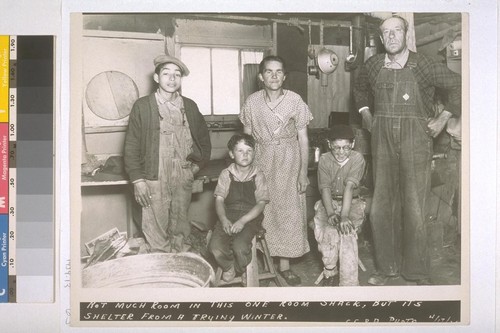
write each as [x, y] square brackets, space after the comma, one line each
[240, 48]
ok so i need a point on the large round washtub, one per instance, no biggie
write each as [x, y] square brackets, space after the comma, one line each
[156, 270]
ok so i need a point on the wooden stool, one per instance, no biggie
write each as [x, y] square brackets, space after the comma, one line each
[252, 270]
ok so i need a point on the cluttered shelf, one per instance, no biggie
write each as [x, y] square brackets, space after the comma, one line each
[90, 181]
[224, 125]
[111, 176]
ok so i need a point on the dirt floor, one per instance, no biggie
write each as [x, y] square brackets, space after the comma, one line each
[445, 266]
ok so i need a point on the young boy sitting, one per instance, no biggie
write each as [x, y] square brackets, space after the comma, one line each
[240, 197]
[340, 212]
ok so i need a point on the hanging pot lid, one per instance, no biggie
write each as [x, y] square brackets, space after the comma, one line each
[327, 61]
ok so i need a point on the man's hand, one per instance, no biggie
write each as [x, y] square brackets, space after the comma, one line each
[437, 124]
[367, 119]
[142, 194]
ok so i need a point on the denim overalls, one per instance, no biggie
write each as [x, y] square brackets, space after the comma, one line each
[236, 249]
[165, 224]
[402, 155]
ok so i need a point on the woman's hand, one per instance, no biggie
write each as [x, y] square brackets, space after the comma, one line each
[302, 183]
[142, 194]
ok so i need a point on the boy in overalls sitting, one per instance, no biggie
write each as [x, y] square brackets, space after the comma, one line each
[340, 212]
[240, 197]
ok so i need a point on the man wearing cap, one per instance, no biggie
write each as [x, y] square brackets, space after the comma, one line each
[340, 212]
[401, 84]
[166, 144]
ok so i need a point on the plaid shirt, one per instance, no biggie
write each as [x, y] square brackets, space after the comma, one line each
[429, 74]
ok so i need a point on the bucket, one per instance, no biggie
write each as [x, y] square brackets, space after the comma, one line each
[156, 270]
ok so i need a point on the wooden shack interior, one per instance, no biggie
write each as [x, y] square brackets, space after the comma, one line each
[223, 52]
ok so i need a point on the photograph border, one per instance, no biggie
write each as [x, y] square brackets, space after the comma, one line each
[301, 294]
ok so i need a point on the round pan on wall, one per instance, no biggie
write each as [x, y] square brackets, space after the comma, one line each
[327, 61]
[111, 95]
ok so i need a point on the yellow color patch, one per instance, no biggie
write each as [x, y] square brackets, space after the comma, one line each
[4, 79]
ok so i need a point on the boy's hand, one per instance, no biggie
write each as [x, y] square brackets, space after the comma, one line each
[346, 226]
[192, 166]
[142, 194]
[237, 227]
[333, 220]
[226, 226]
[195, 168]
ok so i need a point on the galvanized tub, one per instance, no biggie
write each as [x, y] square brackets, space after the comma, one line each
[156, 270]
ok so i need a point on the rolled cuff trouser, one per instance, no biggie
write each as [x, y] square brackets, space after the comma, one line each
[336, 247]
[165, 224]
[402, 173]
[235, 249]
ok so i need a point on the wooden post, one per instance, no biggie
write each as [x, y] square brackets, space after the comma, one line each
[253, 268]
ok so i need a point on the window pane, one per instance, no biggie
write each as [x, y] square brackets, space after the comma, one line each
[251, 57]
[250, 61]
[226, 83]
[197, 84]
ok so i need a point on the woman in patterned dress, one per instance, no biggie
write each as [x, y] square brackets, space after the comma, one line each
[277, 118]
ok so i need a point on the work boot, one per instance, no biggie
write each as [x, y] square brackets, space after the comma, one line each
[378, 279]
[329, 276]
[329, 281]
[424, 282]
[228, 276]
[180, 244]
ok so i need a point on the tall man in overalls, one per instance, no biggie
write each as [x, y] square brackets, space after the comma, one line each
[402, 85]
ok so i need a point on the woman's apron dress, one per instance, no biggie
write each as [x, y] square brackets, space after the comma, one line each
[274, 127]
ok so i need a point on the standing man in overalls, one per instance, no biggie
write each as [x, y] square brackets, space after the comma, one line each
[402, 85]
[166, 144]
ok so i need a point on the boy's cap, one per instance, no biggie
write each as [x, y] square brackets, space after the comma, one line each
[165, 59]
[341, 132]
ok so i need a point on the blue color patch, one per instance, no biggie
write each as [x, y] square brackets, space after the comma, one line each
[4, 258]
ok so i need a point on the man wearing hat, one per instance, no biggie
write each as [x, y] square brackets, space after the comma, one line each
[166, 144]
[340, 212]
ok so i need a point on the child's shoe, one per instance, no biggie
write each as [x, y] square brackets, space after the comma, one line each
[329, 276]
[229, 275]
